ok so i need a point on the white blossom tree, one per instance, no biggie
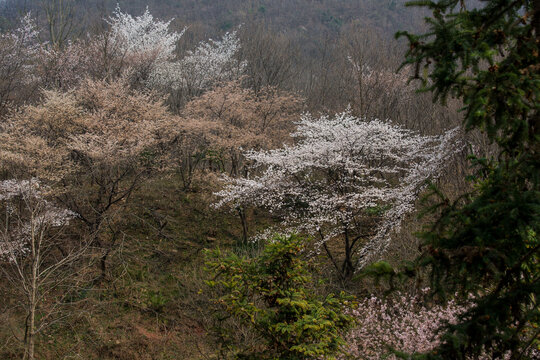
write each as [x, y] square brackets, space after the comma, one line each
[143, 48]
[32, 257]
[143, 34]
[144, 43]
[210, 63]
[347, 178]
[149, 48]
[19, 49]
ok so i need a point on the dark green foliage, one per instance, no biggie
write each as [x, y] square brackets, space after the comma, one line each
[269, 294]
[487, 56]
[486, 243]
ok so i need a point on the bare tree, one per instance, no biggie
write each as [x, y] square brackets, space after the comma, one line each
[60, 20]
[269, 57]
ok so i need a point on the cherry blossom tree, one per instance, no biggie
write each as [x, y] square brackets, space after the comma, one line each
[149, 47]
[144, 49]
[408, 323]
[143, 34]
[32, 257]
[132, 46]
[143, 42]
[19, 49]
[211, 62]
[403, 322]
[234, 119]
[95, 144]
[347, 178]
[95, 57]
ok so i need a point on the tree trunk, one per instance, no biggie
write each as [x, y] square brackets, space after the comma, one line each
[30, 338]
[243, 220]
[348, 267]
[536, 18]
[31, 324]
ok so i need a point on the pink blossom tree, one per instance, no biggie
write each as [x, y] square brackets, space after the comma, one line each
[95, 145]
[403, 322]
[348, 179]
[408, 324]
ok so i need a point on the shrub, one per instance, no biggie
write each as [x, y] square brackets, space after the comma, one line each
[270, 294]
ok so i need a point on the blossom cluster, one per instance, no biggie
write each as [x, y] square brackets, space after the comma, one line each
[345, 175]
[146, 40]
[210, 63]
[91, 125]
[144, 48]
[19, 227]
[19, 50]
[24, 38]
[143, 34]
[406, 323]
[401, 323]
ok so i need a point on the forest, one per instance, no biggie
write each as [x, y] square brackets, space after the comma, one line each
[285, 179]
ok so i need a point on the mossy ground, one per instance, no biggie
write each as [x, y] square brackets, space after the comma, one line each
[152, 303]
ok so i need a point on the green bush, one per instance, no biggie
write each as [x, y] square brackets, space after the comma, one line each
[269, 294]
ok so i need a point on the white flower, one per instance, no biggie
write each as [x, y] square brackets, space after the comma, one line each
[343, 172]
[210, 63]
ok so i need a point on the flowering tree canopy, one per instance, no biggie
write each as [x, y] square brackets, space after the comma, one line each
[102, 137]
[403, 322]
[98, 123]
[144, 48]
[18, 231]
[150, 47]
[347, 177]
[232, 119]
[18, 51]
[143, 34]
[23, 38]
[143, 42]
[389, 328]
[210, 63]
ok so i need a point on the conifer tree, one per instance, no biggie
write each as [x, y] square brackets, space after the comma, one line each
[487, 242]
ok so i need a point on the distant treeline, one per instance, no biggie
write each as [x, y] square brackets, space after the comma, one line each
[319, 16]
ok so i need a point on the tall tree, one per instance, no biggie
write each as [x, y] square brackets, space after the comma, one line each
[19, 49]
[486, 243]
[60, 20]
[34, 259]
